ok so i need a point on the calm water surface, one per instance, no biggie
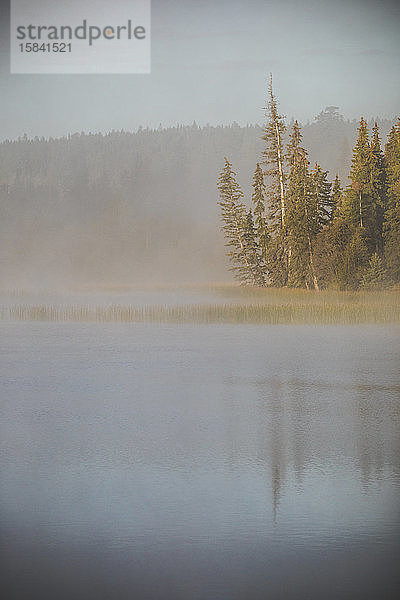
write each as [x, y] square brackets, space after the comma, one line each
[199, 462]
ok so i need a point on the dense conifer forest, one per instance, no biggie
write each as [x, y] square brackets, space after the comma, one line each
[303, 230]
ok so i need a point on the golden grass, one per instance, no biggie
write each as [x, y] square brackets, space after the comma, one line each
[340, 313]
[243, 305]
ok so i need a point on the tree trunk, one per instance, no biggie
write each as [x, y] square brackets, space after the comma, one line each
[282, 196]
[314, 276]
[280, 169]
[361, 215]
[310, 251]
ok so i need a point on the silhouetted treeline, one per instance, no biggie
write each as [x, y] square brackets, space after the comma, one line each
[132, 207]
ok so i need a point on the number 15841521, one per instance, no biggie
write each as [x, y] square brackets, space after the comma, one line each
[45, 47]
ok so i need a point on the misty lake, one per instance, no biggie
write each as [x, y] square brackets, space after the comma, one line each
[199, 461]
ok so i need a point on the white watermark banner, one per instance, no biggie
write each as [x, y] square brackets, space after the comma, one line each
[73, 36]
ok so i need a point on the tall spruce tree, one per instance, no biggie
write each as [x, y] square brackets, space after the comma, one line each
[239, 241]
[273, 155]
[302, 215]
[274, 160]
[377, 190]
[355, 205]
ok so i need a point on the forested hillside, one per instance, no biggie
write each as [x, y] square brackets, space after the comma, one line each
[134, 207]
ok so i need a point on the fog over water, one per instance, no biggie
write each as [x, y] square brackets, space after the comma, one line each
[200, 461]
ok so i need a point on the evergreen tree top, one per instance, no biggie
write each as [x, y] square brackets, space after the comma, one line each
[227, 184]
[359, 173]
[376, 141]
[336, 186]
[274, 118]
[296, 155]
[272, 104]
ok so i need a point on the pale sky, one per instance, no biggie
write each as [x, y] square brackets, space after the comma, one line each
[210, 63]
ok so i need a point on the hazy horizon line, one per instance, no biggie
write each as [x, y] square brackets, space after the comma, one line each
[162, 128]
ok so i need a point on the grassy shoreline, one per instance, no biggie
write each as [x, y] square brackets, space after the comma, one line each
[324, 314]
[243, 305]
